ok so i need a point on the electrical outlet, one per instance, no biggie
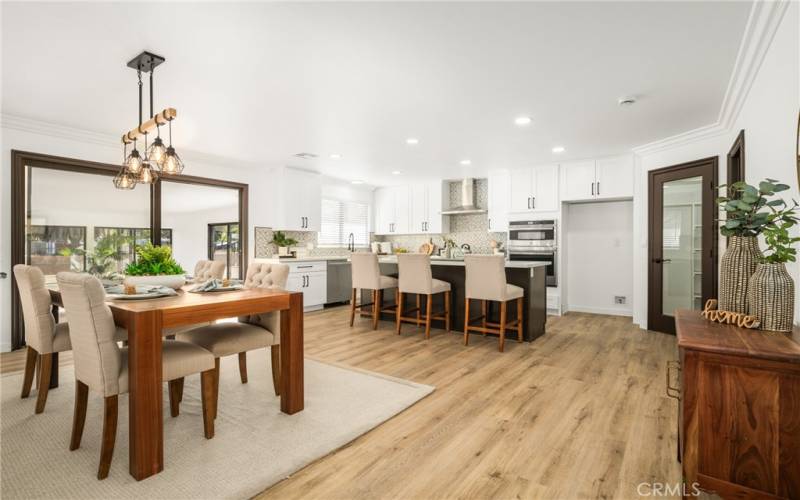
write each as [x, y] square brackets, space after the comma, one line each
[619, 299]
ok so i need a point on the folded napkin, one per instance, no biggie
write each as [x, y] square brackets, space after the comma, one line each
[216, 284]
[141, 289]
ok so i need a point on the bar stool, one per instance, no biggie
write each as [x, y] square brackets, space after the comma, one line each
[416, 278]
[366, 273]
[486, 281]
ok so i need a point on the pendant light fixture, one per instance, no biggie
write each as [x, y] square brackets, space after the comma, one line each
[145, 168]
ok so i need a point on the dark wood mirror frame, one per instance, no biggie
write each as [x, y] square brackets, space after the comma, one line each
[20, 160]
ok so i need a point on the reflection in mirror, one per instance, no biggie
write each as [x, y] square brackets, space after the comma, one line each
[204, 224]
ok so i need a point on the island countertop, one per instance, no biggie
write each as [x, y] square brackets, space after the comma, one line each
[440, 261]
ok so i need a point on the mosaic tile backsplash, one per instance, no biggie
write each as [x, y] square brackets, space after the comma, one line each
[470, 229]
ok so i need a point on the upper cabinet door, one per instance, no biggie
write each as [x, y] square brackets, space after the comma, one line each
[577, 181]
[302, 200]
[436, 222]
[420, 212]
[521, 190]
[384, 210]
[498, 200]
[614, 178]
[402, 210]
[545, 188]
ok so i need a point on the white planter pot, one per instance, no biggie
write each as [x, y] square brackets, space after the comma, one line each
[174, 281]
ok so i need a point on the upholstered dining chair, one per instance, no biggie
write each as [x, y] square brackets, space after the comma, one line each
[366, 274]
[208, 269]
[102, 366]
[486, 281]
[249, 332]
[42, 334]
[416, 277]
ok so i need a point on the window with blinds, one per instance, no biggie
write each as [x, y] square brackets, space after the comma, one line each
[339, 219]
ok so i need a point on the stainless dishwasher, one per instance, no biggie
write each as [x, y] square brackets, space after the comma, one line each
[340, 281]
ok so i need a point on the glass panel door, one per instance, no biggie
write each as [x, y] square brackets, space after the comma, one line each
[682, 245]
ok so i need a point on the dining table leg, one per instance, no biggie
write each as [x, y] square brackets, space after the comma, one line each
[145, 398]
[292, 393]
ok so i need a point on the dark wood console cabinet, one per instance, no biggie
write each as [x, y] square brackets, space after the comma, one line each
[739, 417]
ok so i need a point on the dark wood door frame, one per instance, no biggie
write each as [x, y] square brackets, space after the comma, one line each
[22, 160]
[736, 160]
[706, 168]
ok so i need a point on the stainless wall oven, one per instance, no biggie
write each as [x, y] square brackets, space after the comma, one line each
[534, 241]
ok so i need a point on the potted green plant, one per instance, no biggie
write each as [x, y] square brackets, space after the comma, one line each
[747, 212]
[770, 291]
[155, 266]
[280, 240]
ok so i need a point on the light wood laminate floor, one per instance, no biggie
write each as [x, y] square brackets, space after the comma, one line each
[579, 413]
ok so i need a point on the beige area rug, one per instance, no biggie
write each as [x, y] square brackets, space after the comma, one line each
[254, 447]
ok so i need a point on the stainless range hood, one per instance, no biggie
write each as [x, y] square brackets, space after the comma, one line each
[467, 200]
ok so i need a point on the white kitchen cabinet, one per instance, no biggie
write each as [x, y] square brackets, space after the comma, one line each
[499, 200]
[534, 189]
[300, 193]
[310, 278]
[426, 209]
[402, 216]
[602, 179]
[392, 210]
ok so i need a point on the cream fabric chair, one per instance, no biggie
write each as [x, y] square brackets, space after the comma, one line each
[250, 332]
[42, 334]
[366, 274]
[416, 278]
[102, 366]
[486, 281]
[208, 269]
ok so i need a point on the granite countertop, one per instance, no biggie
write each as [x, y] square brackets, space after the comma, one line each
[439, 261]
[307, 258]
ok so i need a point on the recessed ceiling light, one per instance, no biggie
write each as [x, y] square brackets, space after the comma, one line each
[357, 181]
[396, 172]
[558, 149]
[522, 120]
[335, 156]
[626, 101]
[412, 141]
[465, 162]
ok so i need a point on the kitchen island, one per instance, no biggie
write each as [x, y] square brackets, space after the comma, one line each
[530, 276]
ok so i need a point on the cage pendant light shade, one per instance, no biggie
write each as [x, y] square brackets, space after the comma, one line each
[124, 179]
[147, 174]
[134, 162]
[156, 153]
[173, 165]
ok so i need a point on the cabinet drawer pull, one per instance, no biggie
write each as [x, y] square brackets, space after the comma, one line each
[304, 267]
[598, 188]
[673, 392]
[593, 189]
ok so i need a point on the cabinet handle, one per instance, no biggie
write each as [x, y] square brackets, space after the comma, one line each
[529, 202]
[673, 392]
[593, 189]
[305, 267]
[533, 202]
[598, 188]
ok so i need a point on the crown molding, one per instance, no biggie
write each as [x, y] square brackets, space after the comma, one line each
[762, 24]
[40, 127]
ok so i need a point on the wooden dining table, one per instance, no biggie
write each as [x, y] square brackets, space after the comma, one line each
[146, 320]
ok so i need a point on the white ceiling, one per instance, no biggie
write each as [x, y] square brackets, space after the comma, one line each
[260, 82]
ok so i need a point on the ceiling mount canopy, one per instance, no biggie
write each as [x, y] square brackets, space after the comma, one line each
[138, 168]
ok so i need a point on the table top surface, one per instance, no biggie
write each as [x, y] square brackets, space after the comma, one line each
[697, 333]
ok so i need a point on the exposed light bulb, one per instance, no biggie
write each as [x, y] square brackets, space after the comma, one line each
[172, 163]
[146, 175]
[134, 162]
[157, 152]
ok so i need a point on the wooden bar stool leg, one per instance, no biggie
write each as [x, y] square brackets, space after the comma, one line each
[399, 309]
[503, 310]
[447, 298]
[419, 312]
[466, 321]
[484, 312]
[376, 307]
[428, 307]
[352, 307]
[519, 319]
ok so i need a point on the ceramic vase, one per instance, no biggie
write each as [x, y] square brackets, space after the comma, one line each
[738, 264]
[770, 297]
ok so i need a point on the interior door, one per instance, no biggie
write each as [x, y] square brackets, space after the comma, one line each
[521, 189]
[682, 240]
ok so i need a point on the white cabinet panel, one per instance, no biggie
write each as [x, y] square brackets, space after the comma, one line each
[402, 210]
[521, 190]
[312, 282]
[419, 208]
[545, 188]
[384, 210]
[577, 181]
[436, 222]
[499, 188]
[614, 177]
[301, 193]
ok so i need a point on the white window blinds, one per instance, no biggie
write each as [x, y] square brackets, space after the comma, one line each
[339, 219]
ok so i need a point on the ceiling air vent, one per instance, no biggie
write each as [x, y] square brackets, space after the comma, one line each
[306, 156]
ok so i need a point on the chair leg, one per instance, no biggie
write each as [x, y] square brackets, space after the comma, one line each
[179, 390]
[466, 321]
[243, 367]
[174, 400]
[519, 319]
[503, 310]
[275, 353]
[208, 391]
[79, 414]
[484, 313]
[376, 307]
[46, 363]
[109, 435]
[30, 367]
[399, 309]
[448, 303]
[352, 307]
[419, 312]
[428, 310]
[216, 387]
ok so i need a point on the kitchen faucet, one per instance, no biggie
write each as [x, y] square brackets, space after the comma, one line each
[351, 242]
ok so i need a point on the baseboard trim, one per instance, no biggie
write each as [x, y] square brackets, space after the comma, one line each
[600, 310]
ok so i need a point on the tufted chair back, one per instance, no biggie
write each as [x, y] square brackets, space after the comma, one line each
[266, 275]
[98, 359]
[208, 269]
[36, 308]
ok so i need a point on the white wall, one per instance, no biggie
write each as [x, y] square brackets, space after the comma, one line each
[599, 239]
[190, 232]
[769, 119]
